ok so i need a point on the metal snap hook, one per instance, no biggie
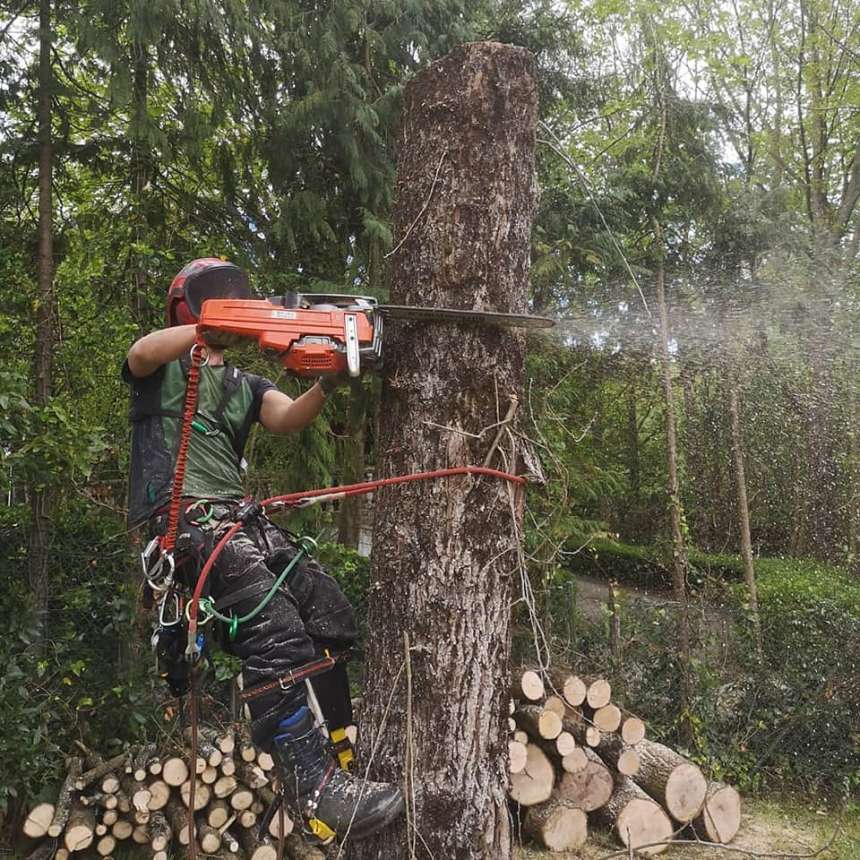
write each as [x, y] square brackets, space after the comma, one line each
[163, 618]
[196, 346]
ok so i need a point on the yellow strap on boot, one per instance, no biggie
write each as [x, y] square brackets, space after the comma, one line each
[342, 747]
[321, 830]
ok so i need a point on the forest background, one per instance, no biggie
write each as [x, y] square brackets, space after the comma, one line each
[701, 158]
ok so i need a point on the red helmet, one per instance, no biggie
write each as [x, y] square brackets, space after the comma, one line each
[208, 277]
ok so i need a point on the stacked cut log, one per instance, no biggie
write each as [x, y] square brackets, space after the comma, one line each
[577, 759]
[143, 796]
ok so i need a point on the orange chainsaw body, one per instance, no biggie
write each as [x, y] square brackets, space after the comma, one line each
[308, 340]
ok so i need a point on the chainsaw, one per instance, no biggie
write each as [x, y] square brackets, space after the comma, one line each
[315, 334]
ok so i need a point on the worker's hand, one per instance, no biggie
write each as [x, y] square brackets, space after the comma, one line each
[330, 382]
[220, 339]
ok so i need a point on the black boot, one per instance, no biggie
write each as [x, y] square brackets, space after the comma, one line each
[321, 792]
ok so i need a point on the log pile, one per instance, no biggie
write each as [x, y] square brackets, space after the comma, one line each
[144, 795]
[576, 759]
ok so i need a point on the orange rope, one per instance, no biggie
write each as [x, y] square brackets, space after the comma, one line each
[168, 542]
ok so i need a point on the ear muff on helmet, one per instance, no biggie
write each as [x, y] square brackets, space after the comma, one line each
[206, 278]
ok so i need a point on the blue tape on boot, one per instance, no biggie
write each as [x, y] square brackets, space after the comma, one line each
[290, 722]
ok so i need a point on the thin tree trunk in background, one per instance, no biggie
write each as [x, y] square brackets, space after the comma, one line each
[43, 359]
[446, 553]
[692, 445]
[676, 512]
[633, 504]
[140, 169]
[744, 513]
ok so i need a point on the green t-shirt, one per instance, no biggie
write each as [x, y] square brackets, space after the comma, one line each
[228, 403]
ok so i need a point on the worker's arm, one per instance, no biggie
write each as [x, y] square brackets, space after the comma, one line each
[160, 347]
[282, 414]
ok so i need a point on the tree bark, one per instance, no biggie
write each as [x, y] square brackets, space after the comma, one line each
[445, 552]
[43, 357]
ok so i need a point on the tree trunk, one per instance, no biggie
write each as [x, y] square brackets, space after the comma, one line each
[744, 513]
[679, 550]
[43, 358]
[140, 174]
[445, 553]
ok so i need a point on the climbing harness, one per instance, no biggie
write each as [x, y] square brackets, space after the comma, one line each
[208, 606]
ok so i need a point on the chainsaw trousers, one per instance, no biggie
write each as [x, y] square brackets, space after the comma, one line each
[308, 614]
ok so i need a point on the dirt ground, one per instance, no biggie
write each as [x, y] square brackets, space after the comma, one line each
[768, 829]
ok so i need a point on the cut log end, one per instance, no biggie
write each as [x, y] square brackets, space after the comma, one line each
[574, 761]
[529, 686]
[628, 762]
[517, 755]
[557, 825]
[534, 783]
[607, 718]
[565, 744]
[574, 691]
[685, 792]
[589, 788]
[39, 820]
[632, 730]
[599, 693]
[555, 704]
[643, 822]
[720, 818]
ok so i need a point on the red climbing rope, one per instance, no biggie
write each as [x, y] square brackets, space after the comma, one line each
[327, 494]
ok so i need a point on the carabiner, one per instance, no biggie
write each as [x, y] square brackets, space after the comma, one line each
[177, 609]
[202, 606]
[308, 544]
[195, 346]
[153, 545]
[162, 582]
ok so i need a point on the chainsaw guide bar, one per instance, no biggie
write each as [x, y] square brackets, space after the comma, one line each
[419, 314]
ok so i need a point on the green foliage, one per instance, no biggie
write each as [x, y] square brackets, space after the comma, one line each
[791, 720]
[72, 690]
[43, 445]
[649, 567]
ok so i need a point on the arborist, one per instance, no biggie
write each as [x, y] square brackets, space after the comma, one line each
[307, 619]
